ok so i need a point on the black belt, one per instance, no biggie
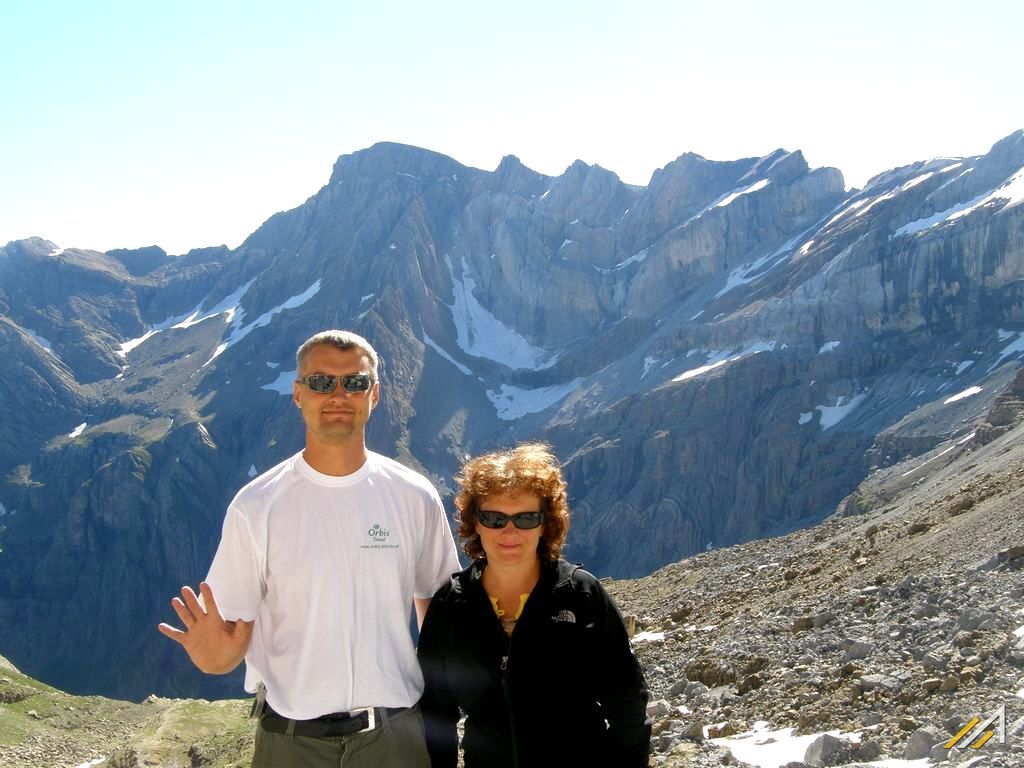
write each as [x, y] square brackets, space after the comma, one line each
[335, 724]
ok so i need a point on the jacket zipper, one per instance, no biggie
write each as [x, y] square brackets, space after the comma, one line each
[508, 701]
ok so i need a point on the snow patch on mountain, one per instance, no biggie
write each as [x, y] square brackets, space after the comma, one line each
[480, 334]
[512, 403]
[963, 366]
[833, 414]
[228, 305]
[434, 346]
[962, 395]
[44, 343]
[1010, 193]
[282, 384]
[636, 258]
[1014, 347]
[730, 198]
[716, 359]
[239, 331]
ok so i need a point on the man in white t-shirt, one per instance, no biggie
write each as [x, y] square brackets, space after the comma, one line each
[319, 561]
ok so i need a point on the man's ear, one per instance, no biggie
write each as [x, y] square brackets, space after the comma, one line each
[375, 395]
[296, 397]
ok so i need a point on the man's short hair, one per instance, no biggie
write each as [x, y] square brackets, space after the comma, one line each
[343, 340]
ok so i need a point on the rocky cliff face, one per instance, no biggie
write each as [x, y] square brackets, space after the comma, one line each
[722, 354]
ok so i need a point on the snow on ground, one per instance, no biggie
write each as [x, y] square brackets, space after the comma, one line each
[648, 362]
[434, 346]
[769, 749]
[481, 334]
[513, 402]
[963, 366]
[962, 395]
[703, 369]
[833, 414]
[131, 344]
[204, 434]
[366, 298]
[1010, 191]
[961, 441]
[239, 331]
[916, 180]
[648, 637]
[282, 384]
[806, 417]
[722, 201]
[252, 471]
[828, 346]
[1015, 346]
[272, 365]
[930, 221]
[950, 181]
[749, 272]
[876, 201]
[634, 259]
[77, 430]
[717, 359]
[228, 306]
[848, 209]
[44, 343]
[91, 763]
[745, 191]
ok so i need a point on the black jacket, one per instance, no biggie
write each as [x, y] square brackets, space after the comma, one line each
[542, 696]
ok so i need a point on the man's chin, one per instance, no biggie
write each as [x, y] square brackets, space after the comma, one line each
[336, 435]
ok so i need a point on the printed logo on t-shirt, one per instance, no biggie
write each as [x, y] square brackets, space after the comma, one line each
[377, 538]
[567, 617]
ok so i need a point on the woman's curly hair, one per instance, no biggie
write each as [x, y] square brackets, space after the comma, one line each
[527, 468]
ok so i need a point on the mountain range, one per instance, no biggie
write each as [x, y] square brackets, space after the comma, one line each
[723, 354]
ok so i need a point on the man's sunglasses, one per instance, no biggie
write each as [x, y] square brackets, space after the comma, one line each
[325, 383]
[524, 520]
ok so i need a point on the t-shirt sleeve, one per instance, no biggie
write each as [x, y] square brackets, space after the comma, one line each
[236, 574]
[438, 559]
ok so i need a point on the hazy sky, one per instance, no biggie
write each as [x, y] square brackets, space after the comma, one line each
[185, 124]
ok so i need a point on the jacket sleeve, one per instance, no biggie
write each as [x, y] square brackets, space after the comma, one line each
[621, 688]
[440, 711]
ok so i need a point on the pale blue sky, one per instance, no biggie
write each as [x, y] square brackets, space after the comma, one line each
[185, 124]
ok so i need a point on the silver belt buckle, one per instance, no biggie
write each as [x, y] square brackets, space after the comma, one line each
[371, 718]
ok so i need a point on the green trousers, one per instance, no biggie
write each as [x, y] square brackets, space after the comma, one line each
[396, 742]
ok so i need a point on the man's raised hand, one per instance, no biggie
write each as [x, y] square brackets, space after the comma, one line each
[215, 646]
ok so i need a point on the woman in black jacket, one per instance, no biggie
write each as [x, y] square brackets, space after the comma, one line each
[530, 647]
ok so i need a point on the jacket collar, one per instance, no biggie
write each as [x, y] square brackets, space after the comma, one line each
[553, 575]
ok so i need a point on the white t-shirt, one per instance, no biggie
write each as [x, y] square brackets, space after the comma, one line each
[328, 568]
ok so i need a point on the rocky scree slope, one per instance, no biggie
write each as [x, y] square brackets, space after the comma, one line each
[899, 618]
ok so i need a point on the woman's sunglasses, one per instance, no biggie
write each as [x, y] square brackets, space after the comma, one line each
[324, 383]
[524, 520]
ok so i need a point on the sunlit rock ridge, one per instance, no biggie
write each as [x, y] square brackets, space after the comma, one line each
[720, 355]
